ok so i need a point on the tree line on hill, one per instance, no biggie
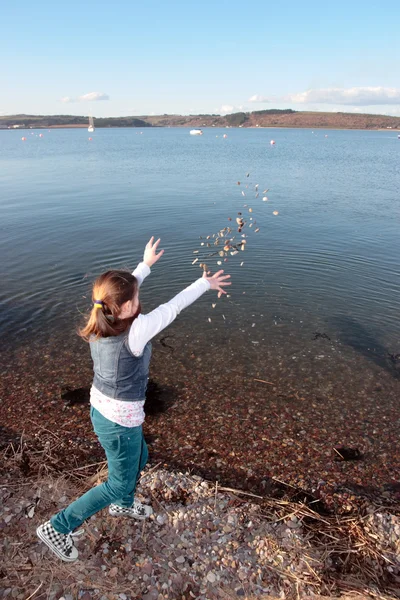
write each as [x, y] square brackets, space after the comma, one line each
[261, 118]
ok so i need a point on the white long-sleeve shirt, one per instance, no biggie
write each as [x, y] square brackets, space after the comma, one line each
[142, 330]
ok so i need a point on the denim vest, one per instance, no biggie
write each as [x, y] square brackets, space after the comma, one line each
[117, 372]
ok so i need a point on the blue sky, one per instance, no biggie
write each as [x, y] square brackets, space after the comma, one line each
[199, 57]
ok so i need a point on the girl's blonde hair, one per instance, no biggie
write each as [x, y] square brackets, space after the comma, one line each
[110, 291]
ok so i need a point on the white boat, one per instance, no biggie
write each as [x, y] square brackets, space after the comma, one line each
[91, 125]
[196, 132]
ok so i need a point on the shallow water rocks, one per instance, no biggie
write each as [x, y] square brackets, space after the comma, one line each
[385, 529]
[180, 559]
[211, 577]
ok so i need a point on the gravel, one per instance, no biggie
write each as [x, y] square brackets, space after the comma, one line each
[200, 543]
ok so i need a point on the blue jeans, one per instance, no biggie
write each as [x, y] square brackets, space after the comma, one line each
[127, 454]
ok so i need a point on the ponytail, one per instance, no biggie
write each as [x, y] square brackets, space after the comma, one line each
[110, 291]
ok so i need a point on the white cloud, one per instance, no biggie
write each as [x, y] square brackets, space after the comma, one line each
[91, 97]
[226, 109]
[258, 98]
[355, 96]
[394, 112]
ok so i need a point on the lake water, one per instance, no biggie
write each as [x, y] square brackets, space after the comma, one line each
[329, 261]
[313, 309]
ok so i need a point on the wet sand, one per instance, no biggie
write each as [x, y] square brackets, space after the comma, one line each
[206, 411]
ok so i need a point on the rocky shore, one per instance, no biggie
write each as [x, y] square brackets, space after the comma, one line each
[204, 541]
[250, 498]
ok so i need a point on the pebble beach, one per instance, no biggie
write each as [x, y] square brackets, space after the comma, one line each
[256, 423]
[203, 542]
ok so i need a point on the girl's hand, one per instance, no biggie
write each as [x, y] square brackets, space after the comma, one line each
[217, 281]
[150, 255]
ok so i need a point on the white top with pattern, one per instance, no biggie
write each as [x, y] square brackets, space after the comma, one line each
[143, 329]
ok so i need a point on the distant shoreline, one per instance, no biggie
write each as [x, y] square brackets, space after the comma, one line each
[325, 128]
[264, 119]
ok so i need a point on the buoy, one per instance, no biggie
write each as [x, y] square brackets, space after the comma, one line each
[225, 136]
[40, 134]
[23, 139]
[90, 139]
[272, 142]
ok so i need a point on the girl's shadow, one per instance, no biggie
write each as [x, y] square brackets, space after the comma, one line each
[158, 398]
[353, 334]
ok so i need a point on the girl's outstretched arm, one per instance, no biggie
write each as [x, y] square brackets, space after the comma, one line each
[145, 327]
[150, 257]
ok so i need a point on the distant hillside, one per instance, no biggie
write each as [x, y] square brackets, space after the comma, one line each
[37, 121]
[279, 118]
[260, 118]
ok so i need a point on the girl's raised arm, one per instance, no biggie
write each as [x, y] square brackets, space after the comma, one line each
[150, 257]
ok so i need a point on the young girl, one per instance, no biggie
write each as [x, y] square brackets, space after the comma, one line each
[119, 337]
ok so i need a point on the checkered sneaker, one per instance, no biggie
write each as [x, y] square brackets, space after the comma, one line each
[136, 511]
[60, 543]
